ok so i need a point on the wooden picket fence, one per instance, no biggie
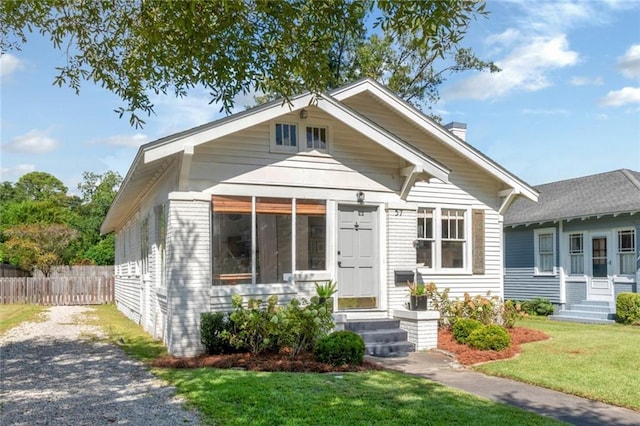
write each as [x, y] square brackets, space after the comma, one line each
[58, 291]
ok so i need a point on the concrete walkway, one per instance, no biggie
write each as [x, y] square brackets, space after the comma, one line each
[567, 408]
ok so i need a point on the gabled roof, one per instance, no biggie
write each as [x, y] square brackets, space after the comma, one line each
[603, 194]
[416, 116]
[154, 158]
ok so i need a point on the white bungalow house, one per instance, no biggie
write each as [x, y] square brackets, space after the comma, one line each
[354, 185]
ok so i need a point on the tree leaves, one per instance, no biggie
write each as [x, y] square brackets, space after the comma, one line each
[229, 47]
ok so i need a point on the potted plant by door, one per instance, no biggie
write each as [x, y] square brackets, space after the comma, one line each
[417, 296]
[325, 293]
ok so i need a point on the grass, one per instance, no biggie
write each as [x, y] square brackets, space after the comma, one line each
[12, 315]
[234, 397]
[125, 333]
[599, 362]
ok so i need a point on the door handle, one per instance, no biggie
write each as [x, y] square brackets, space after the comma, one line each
[339, 264]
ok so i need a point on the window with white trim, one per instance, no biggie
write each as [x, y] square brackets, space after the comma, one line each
[544, 249]
[316, 137]
[442, 238]
[453, 238]
[576, 254]
[296, 137]
[425, 241]
[626, 252]
[286, 136]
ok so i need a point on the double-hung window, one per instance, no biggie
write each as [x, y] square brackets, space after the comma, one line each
[626, 252]
[453, 238]
[544, 248]
[425, 241]
[576, 254]
[441, 242]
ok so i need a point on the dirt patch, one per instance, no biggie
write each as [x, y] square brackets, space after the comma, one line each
[304, 363]
[469, 356]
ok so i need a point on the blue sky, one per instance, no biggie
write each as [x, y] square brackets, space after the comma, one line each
[566, 104]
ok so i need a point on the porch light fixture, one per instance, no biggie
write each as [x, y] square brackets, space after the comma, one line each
[360, 197]
[304, 114]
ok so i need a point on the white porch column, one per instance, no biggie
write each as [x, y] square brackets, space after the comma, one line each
[188, 270]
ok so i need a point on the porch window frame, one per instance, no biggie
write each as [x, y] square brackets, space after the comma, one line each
[537, 254]
[295, 203]
[630, 252]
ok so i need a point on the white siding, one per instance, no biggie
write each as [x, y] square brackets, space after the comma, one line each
[188, 273]
[245, 158]
[401, 255]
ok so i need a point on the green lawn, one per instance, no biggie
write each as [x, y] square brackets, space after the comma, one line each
[12, 315]
[234, 397]
[600, 362]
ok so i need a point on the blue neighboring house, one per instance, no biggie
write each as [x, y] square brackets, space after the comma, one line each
[578, 246]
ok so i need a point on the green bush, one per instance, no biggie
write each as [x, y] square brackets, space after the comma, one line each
[538, 307]
[463, 327]
[253, 327]
[628, 308]
[489, 337]
[213, 326]
[299, 327]
[340, 348]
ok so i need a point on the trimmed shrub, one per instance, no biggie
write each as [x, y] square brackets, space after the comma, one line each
[212, 330]
[489, 337]
[340, 348]
[628, 308]
[463, 327]
[539, 306]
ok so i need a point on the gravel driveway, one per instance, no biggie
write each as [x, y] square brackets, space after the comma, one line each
[50, 374]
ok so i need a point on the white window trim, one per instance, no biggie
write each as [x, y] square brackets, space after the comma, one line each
[585, 236]
[617, 251]
[283, 148]
[301, 141]
[536, 253]
[437, 241]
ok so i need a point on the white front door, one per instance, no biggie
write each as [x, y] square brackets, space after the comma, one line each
[600, 282]
[357, 258]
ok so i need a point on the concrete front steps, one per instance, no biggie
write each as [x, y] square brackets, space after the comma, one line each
[588, 312]
[382, 337]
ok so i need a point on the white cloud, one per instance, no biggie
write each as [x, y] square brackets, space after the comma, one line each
[629, 63]
[33, 142]
[525, 68]
[132, 141]
[586, 81]
[557, 16]
[13, 173]
[9, 64]
[624, 96]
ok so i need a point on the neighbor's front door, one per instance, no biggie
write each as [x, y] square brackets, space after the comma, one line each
[600, 281]
[358, 285]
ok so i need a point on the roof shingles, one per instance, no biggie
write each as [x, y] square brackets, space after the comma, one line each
[595, 195]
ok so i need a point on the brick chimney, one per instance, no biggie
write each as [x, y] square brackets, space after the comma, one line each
[458, 129]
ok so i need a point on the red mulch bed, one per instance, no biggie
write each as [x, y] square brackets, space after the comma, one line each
[304, 363]
[469, 356]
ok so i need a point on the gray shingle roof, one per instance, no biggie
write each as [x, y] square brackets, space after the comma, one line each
[601, 194]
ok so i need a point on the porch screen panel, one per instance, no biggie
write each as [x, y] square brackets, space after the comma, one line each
[311, 235]
[232, 235]
[273, 240]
